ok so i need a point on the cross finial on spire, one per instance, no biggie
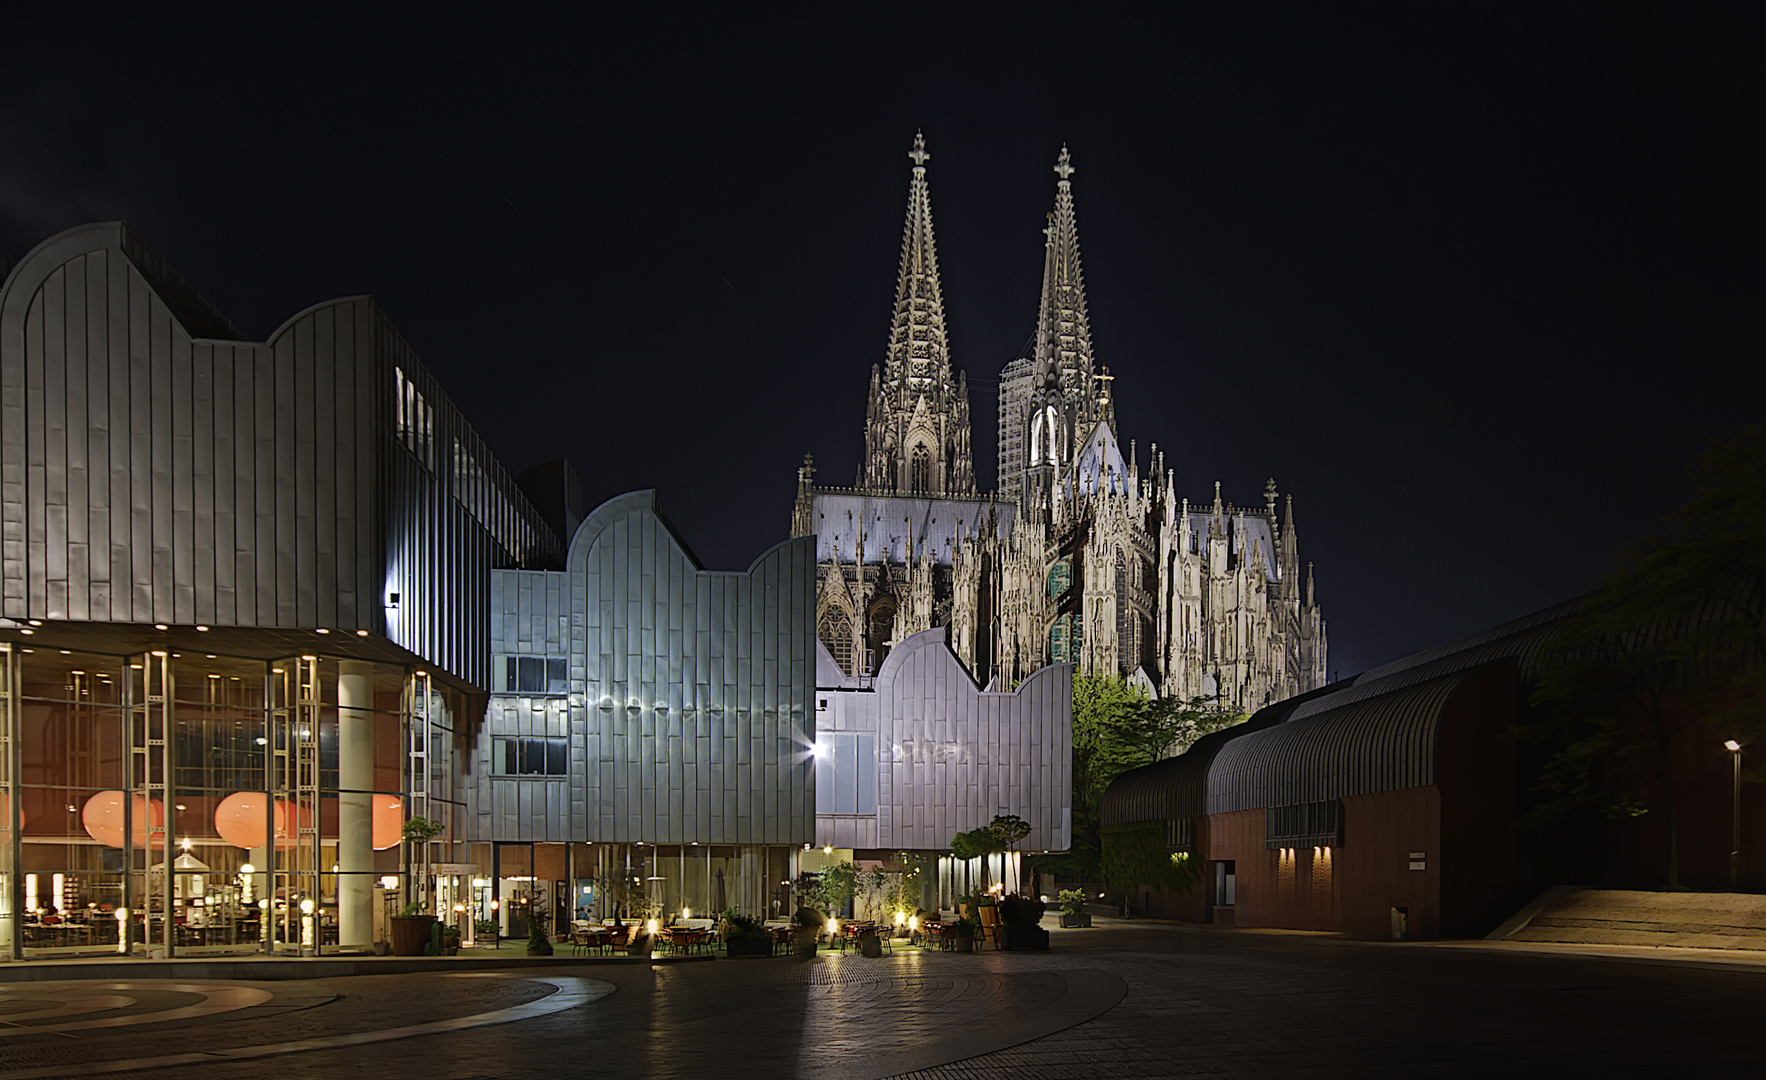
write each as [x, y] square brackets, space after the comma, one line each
[1064, 165]
[918, 154]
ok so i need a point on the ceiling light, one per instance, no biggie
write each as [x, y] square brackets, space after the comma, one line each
[159, 626]
[35, 622]
[26, 630]
[204, 629]
[322, 630]
[361, 633]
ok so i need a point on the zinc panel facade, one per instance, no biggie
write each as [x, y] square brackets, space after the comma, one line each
[155, 467]
[689, 712]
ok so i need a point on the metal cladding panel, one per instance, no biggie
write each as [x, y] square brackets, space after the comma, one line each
[951, 756]
[686, 733]
[156, 467]
[1382, 744]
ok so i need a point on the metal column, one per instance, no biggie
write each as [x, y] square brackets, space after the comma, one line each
[294, 784]
[151, 790]
[418, 705]
[12, 869]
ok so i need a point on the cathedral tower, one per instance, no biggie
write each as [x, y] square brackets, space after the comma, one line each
[1049, 404]
[917, 425]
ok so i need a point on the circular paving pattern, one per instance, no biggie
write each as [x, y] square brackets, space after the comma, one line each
[47, 1010]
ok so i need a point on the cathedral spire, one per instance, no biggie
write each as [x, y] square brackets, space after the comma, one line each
[1063, 333]
[917, 430]
[917, 355]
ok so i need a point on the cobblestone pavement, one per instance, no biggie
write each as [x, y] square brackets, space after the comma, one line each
[1130, 1000]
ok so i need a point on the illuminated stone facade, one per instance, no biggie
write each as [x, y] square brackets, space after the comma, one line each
[1080, 556]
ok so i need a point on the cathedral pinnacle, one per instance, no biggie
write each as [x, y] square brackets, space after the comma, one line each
[920, 157]
[1063, 331]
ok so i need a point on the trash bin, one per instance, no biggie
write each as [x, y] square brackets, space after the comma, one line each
[1400, 923]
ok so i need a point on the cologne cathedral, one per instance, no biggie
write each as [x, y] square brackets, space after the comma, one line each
[1082, 555]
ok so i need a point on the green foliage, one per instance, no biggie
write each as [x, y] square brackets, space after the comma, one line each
[869, 885]
[974, 843]
[839, 883]
[1007, 830]
[415, 907]
[485, 927]
[903, 892]
[810, 892]
[419, 830]
[742, 928]
[1072, 901]
[1116, 727]
[1135, 855]
[808, 918]
[1673, 639]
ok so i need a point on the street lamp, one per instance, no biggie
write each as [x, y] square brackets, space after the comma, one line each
[1734, 749]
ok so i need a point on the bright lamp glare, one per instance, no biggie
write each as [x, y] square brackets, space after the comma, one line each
[1732, 746]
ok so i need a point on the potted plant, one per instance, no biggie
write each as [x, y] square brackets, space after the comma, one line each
[538, 944]
[967, 927]
[810, 924]
[450, 940]
[1021, 923]
[744, 936]
[1073, 911]
[411, 929]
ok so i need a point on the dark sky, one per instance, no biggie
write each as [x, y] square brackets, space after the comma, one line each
[1474, 283]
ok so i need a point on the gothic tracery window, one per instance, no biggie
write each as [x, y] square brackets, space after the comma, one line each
[1124, 646]
[920, 471]
[834, 627]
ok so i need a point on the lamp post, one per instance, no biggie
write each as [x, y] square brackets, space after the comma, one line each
[1734, 749]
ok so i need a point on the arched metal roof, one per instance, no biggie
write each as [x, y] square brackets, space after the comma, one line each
[1177, 787]
[1381, 744]
[1525, 639]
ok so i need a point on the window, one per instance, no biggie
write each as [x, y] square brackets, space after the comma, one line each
[415, 419]
[529, 757]
[1124, 647]
[846, 773]
[1314, 824]
[835, 629]
[535, 675]
[920, 476]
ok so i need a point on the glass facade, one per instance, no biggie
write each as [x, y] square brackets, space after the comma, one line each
[176, 803]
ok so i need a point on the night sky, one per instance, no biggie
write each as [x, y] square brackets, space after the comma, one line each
[1475, 284]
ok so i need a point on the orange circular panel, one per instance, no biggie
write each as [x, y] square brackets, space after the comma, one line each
[389, 821]
[241, 820]
[103, 817]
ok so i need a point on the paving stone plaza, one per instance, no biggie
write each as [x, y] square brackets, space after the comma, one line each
[1125, 999]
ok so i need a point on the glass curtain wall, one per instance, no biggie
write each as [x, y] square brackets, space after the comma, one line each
[181, 803]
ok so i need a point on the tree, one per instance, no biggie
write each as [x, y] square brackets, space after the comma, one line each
[1671, 640]
[975, 844]
[1117, 727]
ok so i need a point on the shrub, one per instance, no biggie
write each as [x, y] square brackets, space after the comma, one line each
[1073, 901]
[1016, 910]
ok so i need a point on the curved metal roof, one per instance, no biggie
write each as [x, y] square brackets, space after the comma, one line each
[1525, 639]
[1381, 744]
[1177, 787]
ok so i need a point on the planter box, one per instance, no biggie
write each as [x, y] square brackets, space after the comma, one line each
[410, 934]
[756, 946]
[964, 944]
[1024, 938]
[1081, 919]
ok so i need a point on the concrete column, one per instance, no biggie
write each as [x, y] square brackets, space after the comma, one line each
[355, 806]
